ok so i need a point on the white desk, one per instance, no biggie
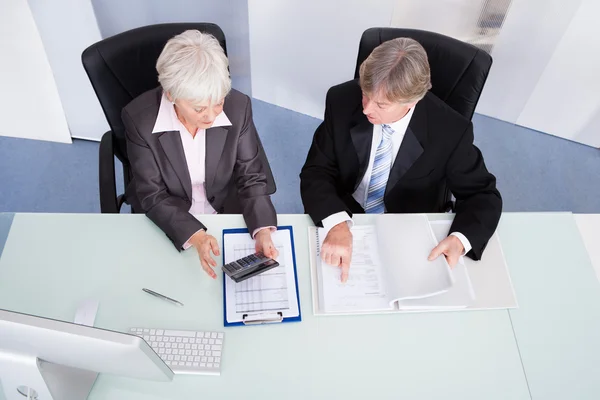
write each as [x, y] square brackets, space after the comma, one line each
[589, 227]
[52, 261]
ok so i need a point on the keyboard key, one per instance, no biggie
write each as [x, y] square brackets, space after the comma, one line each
[195, 364]
[202, 365]
[213, 335]
[188, 347]
[211, 359]
[216, 365]
[200, 347]
[220, 335]
[181, 363]
[188, 352]
[153, 338]
[161, 344]
[168, 363]
[203, 359]
[180, 346]
[211, 341]
[179, 340]
[188, 334]
[172, 339]
[217, 353]
[154, 345]
[208, 353]
[188, 364]
[170, 357]
[160, 332]
[177, 357]
[195, 352]
[205, 341]
[185, 340]
[168, 351]
[218, 341]
[217, 359]
[199, 334]
[215, 347]
[183, 358]
[194, 347]
[146, 330]
[168, 345]
[146, 338]
[161, 351]
[200, 352]
[197, 359]
[209, 365]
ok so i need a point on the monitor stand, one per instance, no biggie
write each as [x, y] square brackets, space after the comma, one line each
[47, 381]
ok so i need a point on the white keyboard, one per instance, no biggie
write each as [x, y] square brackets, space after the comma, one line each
[186, 352]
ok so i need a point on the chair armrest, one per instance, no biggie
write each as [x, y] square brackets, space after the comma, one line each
[106, 169]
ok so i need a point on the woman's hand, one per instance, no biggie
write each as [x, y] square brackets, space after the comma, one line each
[264, 243]
[205, 244]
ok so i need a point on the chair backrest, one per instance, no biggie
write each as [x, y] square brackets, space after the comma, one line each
[458, 70]
[123, 66]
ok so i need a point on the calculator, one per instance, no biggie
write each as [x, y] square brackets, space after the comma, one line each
[249, 266]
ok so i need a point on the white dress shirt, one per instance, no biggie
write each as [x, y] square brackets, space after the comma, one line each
[194, 148]
[361, 193]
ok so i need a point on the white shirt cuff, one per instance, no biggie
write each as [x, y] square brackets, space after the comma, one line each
[335, 219]
[465, 242]
[187, 244]
[271, 228]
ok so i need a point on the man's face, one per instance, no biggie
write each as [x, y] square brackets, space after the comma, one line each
[379, 110]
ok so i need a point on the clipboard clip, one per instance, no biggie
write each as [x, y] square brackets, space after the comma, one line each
[259, 319]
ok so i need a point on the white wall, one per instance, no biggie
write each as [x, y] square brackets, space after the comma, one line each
[527, 41]
[300, 48]
[68, 27]
[566, 99]
[30, 106]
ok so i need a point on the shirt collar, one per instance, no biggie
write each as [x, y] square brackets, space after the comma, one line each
[167, 120]
[402, 124]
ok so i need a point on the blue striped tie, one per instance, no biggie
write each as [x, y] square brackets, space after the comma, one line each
[380, 173]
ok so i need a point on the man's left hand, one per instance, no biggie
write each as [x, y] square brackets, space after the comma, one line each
[265, 244]
[451, 247]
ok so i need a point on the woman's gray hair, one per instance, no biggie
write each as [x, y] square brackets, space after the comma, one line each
[193, 66]
[398, 69]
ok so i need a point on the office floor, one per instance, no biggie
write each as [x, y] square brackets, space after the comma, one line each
[535, 171]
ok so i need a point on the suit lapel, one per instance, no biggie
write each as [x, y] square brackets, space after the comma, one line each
[362, 138]
[215, 143]
[173, 148]
[411, 147]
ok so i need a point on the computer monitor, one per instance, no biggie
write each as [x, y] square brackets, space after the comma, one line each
[47, 359]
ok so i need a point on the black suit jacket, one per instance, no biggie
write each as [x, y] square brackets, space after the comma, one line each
[437, 149]
[235, 168]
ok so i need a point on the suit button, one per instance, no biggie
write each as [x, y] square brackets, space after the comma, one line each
[211, 199]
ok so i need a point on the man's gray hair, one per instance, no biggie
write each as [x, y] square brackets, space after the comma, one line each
[193, 66]
[397, 69]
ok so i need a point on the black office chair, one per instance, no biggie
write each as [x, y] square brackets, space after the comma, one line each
[458, 70]
[121, 68]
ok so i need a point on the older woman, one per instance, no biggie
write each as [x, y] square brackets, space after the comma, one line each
[190, 142]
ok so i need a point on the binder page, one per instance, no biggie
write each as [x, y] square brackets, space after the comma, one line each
[365, 288]
[405, 241]
[267, 293]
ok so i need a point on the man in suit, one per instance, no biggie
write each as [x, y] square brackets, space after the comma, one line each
[389, 145]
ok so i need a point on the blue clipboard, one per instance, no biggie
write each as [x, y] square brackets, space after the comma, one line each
[288, 319]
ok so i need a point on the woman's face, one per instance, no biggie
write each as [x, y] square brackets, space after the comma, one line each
[198, 115]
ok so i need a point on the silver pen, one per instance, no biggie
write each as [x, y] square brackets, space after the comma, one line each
[161, 296]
